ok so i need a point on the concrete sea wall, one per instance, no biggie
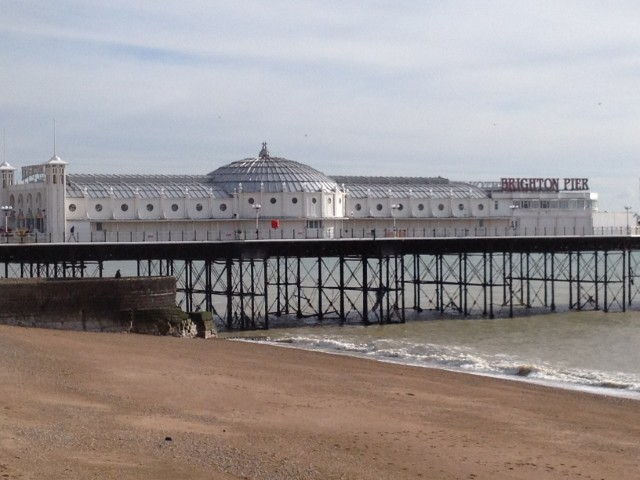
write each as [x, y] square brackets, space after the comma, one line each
[128, 304]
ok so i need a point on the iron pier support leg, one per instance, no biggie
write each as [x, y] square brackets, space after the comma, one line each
[504, 278]
[484, 284]
[465, 281]
[510, 284]
[299, 288]
[625, 279]
[208, 288]
[439, 284]
[491, 313]
[241, 273]
[416, 282]
[605, 307]
[546, 294]
[265, 283]
[278, 288]
[343, 318]
[320, 289]
[579, 283]
[528, 261]
[571, 304]
[385, 290]
[629, 276]
[402, 291]
[287, 306]
[229, 292]
[595, 280]
[365, 290]
[553, 282]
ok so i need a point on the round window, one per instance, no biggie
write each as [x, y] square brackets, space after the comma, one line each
[174, 207]
[72, 207]
[358, 206]
[99, 207]
[273, 200]
[481, 206]
[149, 207]
[400, 206]
[379, 207]
[223, 207]
[461, 206]
[421, 207]
[314, 200]
[294, 200]
[124, 207]
[251, 201]
[329, 201]
[199, 207]
[441, 207]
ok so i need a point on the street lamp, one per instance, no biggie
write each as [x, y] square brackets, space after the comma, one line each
[257, 207]
[514, 221]
[7, 211]
[627, 208]
[394, 207]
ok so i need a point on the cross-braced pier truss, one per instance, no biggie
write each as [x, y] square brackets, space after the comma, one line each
[259, 284]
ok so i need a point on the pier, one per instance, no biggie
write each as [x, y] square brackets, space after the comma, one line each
[263, 283]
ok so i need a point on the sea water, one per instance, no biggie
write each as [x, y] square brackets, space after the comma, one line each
[589, 350]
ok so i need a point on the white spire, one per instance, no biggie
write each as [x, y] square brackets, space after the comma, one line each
[55, 160]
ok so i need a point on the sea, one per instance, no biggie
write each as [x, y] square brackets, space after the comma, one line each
[584, 350]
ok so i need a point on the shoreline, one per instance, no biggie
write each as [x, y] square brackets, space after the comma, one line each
[77, 405]
[613, 391]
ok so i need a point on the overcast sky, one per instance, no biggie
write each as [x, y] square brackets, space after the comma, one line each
[468, 90]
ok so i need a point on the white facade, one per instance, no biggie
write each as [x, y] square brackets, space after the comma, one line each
[271, 197]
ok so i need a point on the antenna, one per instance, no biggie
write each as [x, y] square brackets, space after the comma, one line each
[54, 137]
[4, 144]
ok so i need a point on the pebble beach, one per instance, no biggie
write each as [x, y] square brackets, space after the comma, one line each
[77, 405]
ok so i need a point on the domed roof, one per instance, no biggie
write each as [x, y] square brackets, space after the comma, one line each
[270, 174]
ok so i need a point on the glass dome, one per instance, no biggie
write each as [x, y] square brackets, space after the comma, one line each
[269, 174]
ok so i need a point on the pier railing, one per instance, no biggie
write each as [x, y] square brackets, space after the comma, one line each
[111, 236]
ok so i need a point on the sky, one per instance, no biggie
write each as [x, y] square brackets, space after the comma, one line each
[467, 90]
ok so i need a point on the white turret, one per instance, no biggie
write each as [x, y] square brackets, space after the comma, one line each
[55, 172]
[8, 174]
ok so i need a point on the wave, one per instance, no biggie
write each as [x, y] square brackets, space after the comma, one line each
[465, 359]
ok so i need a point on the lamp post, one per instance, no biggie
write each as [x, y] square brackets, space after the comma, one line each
[257, 207]
[394, 207]
[514, 221]
[627, 208]
[7, 211]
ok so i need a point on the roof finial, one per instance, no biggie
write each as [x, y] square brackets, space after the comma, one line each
[54, 137]
[264, 153]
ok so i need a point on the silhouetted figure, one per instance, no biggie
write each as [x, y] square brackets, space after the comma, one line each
[118, 274]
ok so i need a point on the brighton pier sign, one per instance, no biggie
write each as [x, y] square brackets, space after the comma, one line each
[544, 184]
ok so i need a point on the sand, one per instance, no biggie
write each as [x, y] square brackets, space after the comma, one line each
[79, 405]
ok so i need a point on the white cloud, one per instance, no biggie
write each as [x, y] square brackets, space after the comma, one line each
[463, 89]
